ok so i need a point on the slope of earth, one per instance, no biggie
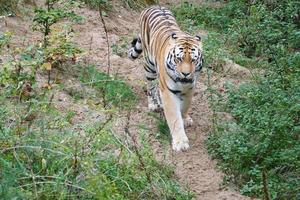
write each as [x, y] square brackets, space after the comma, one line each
[194, 168]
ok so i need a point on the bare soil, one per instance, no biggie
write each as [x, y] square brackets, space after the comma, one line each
[193, 168]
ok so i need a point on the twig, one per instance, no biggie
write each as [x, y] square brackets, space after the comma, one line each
[34, 183]
[209, 88]
[106, 35]
[265, 185]
[50, 100]
[91, 137]
[120, 142]
[91, 41]
[55, 183]
[137, 152]
[32, 147]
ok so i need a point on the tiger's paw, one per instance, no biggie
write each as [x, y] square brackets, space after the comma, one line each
[188, 121]
[180, 144]
[154, 107]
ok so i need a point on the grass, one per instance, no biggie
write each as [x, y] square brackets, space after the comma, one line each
[163, 131]
[113, 91]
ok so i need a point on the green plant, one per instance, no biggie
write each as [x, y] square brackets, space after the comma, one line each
[44, 19]
[270, 118]
[17, 76]
[57, 47]
[163, 128]
[59, 50]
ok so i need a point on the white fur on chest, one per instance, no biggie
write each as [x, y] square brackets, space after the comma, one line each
[184, 88]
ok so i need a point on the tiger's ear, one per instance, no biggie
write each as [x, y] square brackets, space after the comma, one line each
[174, 36]
[198, 37]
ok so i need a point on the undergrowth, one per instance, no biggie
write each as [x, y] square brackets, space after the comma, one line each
[259, 148]
[46, 156]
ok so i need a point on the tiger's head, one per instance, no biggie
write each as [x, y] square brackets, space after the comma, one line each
[184, 59]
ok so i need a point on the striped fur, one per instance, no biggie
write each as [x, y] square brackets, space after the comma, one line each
[175, 58]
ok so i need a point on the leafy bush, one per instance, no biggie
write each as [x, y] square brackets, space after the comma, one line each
[45, 18]
[264, 136]
[17, 75]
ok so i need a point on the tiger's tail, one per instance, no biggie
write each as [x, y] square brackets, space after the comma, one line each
[136, 49]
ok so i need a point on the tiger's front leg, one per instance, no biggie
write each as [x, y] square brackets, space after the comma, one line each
[172, 110]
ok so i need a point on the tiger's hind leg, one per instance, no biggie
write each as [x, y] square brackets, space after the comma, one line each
[154, 100]
[136, 49]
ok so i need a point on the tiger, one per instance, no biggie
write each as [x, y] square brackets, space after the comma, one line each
[173, 61]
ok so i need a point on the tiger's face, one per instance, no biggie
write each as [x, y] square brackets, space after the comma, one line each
[184, 61]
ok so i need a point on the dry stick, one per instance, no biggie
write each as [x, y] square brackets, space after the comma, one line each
[137, 152]
[55, 183]
[50, 100]
[265, 185]
[108, 53]
[106, 35]
[87, 144]
[91, 41]
[34, 183]
[76, 170]
[209, 87]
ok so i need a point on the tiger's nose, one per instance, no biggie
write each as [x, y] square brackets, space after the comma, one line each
[185, 74]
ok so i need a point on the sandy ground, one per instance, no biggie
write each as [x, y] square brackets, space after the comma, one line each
[194, 168]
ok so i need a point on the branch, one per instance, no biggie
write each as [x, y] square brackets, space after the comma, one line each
[265, 185]
[106, 35]
[136, 149]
